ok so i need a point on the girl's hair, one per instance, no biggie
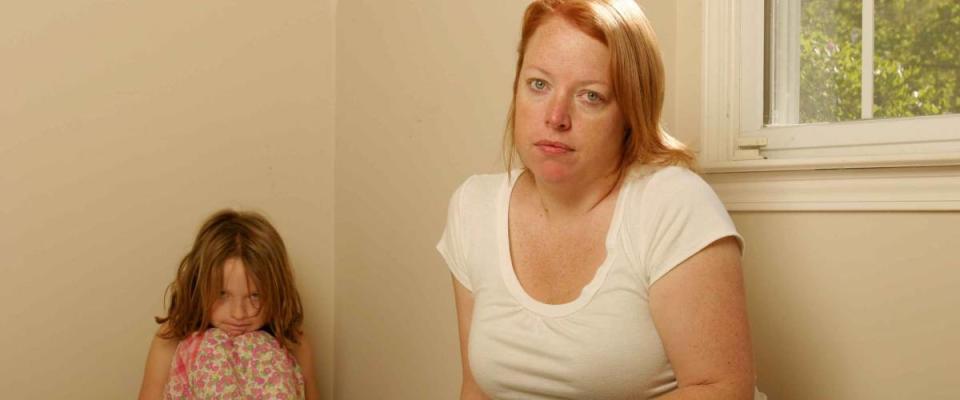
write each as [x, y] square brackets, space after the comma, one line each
[249, 237]
[636, 69]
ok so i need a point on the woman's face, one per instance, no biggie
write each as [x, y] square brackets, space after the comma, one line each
[237, 311]
[567, 125]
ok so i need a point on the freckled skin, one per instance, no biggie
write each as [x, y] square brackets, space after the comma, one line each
[565, 95]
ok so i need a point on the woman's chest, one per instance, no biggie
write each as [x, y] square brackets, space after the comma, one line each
[607, 350]
[554, 263]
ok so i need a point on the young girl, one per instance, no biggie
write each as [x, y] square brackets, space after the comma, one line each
[233, 327]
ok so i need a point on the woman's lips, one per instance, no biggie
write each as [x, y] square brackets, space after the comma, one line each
[551, 147]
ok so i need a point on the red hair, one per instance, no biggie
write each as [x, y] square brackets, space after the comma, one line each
[636, 71]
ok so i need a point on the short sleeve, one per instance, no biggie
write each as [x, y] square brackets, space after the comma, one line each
[680, 215]
[450, 245]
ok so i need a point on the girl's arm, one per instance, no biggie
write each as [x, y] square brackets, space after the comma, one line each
[155, 373]
[303, 352]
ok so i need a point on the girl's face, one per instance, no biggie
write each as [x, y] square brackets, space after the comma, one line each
[568, 126]
[237, 311]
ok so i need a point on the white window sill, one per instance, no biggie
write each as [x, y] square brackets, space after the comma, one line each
[912, 174]
[838, 184]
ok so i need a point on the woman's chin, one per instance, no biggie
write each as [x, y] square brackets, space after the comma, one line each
[552, 172]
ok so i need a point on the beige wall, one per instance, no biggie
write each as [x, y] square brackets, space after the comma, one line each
[421, 96]
[854, 305]
[122, 125]
[843, 305]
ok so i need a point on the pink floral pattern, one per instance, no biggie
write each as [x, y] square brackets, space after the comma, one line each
[213, 365]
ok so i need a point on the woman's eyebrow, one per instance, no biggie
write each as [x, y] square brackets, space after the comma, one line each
[538, 69]
[583, 82]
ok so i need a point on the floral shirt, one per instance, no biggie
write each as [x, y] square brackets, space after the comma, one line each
[213, 365]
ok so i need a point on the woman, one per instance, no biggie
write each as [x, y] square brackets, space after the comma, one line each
[605, 269]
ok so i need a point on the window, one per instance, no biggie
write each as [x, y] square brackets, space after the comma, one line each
[813, 87]
[845, 60]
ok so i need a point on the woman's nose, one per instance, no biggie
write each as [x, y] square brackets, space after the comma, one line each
[558, 115]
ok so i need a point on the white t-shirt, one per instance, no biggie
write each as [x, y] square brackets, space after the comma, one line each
[603, 345]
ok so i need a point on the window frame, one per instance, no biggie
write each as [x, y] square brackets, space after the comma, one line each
[756, 168]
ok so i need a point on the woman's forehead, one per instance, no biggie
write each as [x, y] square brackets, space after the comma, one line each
[558, 47]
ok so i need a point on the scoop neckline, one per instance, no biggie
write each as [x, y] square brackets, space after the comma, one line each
[506, 259]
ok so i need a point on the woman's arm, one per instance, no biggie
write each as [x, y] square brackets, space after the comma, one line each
[699, 309]
[469, 390]
[155, 373]
[303, 352]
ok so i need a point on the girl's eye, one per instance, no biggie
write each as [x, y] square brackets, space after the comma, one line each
[223, 294]
[538, 84]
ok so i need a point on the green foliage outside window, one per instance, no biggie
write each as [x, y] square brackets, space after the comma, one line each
[916, 59]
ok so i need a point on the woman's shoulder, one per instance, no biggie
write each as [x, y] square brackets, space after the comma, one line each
[661, 172]
[666, 180]
[663, 191]
[483, 186]
[488, 181]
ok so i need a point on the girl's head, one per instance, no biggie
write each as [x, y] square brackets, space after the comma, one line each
[236, 277]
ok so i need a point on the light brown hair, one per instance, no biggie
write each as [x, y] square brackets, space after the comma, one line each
[636, 70]
[249, 237]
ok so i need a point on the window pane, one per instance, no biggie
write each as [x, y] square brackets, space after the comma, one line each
[917, 58]
[830, 60]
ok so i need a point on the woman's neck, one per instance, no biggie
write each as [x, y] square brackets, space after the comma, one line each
[575, 197]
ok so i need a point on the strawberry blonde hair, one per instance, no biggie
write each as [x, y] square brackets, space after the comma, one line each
[249, 237]
[636, 70]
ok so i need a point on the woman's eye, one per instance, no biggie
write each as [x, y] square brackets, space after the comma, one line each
[538, 84]
[594, 97]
